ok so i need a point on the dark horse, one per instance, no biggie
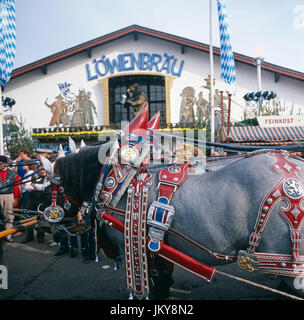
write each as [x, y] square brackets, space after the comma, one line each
[217, 209]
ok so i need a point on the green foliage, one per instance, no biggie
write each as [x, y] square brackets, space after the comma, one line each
[19, 139]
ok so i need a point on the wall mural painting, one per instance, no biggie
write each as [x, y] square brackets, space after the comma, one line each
[70, 109]
[218, 111]
[202, 108]
[187, 116]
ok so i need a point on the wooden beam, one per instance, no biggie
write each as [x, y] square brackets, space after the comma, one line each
[277, 77]
[44, 69]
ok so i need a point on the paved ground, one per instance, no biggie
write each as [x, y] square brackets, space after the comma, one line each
[34, 273]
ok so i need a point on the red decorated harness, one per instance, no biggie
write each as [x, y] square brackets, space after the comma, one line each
[135, 235]
[290, 189]
[145, 229]
[159, 220]
[160, 215]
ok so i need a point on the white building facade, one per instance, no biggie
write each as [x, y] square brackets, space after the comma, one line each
[169, 68]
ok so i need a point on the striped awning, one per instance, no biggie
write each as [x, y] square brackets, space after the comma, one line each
[258, 134]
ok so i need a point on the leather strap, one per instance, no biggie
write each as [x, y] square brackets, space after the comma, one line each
[135, 235]
[161, 213]
[218, 256]
[289, 188]
[54, 195]
[170, 254]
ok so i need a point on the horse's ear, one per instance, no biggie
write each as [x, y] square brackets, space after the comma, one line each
[72, 145]
[46, 164]
[82, 144]
[53, 167]
[61, 153]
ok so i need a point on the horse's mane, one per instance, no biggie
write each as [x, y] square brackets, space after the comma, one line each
[79, 173]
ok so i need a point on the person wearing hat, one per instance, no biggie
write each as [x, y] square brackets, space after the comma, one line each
[89, 108]
[59, 110]
[78, 110]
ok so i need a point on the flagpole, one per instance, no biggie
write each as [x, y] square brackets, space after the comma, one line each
[1, 123]
[8, 49]
[211, 75]
[259, 62]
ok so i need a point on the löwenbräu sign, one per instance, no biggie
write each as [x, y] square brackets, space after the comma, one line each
[129, 62]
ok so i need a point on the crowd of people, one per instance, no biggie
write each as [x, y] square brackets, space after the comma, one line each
[24, 185]
[22, 194]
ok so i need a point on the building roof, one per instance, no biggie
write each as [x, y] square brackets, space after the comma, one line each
[137, 30]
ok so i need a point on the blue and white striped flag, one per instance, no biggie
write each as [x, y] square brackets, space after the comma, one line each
[65, 90]
[227, 60]
[7, 39]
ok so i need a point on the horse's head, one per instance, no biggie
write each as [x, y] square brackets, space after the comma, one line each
[51, 167]
[76, 171]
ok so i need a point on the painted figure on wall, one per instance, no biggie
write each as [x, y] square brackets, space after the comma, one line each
[78, 117]
[218, 113]
[75, 110]
[88, 110]
[203, 108]
[59, 111]
[136, 98]
[186, 114]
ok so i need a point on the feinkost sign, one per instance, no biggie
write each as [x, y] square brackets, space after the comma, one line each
[280, 121]
[129, 62]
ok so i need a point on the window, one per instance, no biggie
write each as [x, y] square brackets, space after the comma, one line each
[154, 87]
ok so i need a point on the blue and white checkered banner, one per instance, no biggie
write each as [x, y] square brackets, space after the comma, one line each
[65, 90]
[227, 60]
[7, 39]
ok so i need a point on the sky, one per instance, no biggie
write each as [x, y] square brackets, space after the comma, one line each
[271, 28]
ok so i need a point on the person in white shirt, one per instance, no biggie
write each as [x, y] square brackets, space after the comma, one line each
[26, 185]
[39, 194]
[28, 192]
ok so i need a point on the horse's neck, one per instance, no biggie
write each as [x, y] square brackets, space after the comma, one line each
[219, 208]
[219, 163]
